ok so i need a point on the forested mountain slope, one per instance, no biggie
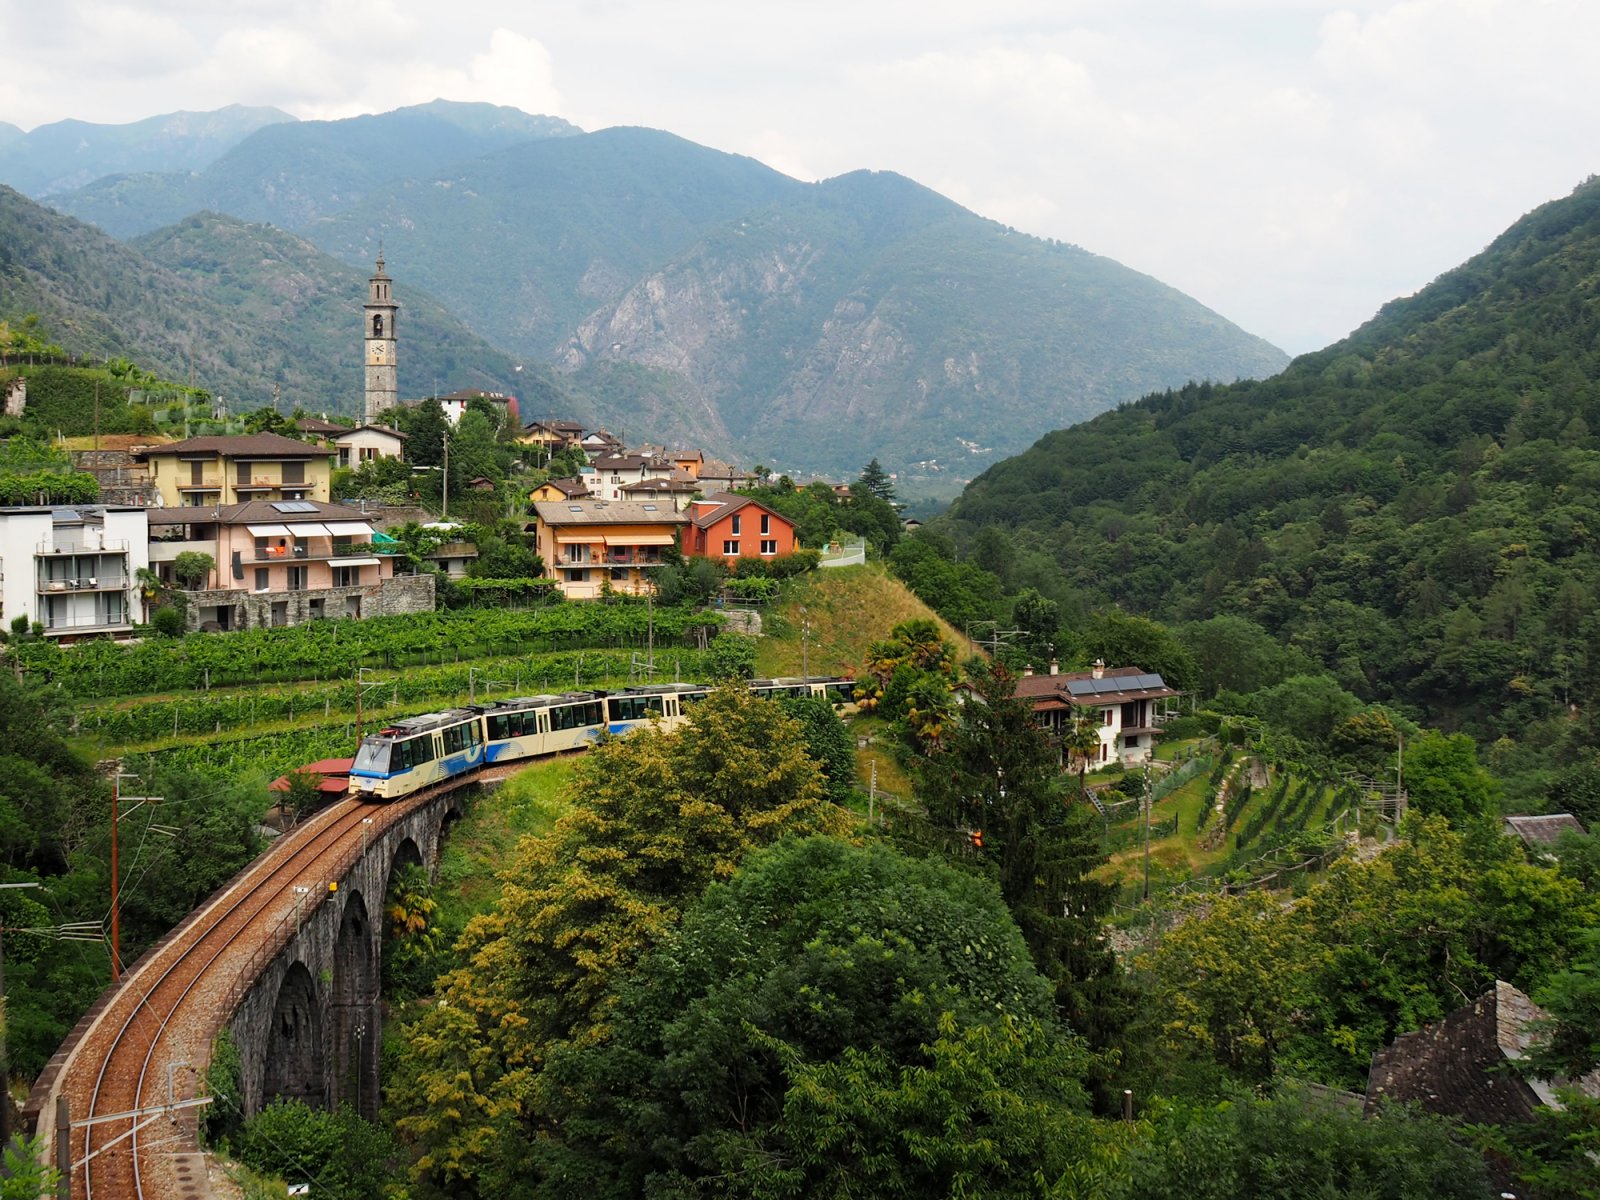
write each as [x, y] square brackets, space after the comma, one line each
[1418, 506]
[236, 308]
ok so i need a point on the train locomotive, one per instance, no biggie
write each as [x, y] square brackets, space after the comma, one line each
[422, 751]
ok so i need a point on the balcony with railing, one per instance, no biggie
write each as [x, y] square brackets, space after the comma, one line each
[82, 545]
[309, 551]
[84, 583]
[206, 483]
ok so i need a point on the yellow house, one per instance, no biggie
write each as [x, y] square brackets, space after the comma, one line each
[212, 471]
[589, 546]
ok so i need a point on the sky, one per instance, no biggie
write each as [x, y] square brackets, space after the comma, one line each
[1293, 164]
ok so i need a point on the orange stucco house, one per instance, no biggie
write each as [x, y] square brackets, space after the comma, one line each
[731, 527]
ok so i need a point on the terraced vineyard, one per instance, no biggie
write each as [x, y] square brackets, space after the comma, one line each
[1219, 829]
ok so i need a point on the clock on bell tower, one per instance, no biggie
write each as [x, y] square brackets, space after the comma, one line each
[379, 338]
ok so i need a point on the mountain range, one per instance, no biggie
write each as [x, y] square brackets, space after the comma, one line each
[681, 294]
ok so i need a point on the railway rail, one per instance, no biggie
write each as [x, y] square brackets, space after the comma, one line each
[132, 1069]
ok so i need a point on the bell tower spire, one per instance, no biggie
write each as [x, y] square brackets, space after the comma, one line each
[379, 337]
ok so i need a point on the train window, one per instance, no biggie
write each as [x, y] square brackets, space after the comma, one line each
[693, 697]
[504, 725]
[418, 750]
[372, 756]
[634, 708]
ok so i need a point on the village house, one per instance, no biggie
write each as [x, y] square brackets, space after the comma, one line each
[283, 562]
[718, 476]
[600, 444]
[455, 404]
[730, 527]
[550, 436]
[560, 489]
[591, 546]
[316, 429]
[612, 472]
[1124, 705]
[1462, 1066]
[73, 569]
[675, 491]
[204, 472]
[366, 443]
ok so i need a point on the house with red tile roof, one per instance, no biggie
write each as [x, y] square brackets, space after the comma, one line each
[730, 527]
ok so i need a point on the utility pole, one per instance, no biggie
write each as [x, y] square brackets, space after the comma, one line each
[116, 915]
[362, 684]
[805, 643]
[116, 905]
[1147, 829]
[445, 490]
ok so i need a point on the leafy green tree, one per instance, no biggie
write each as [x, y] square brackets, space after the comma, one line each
[1125, 640]
[1443, 776]
[192, 569]
[875, 482]
[827, 741]
[269, 420]
[25, 1175]
[732, 656]
[1291, 1145]
[1570, 1041]
[1309, 707]
[653, 819]
[997, 774]
[821, 982]
[505, 557]
[475, 453]
[425, 426]
[1039, 618]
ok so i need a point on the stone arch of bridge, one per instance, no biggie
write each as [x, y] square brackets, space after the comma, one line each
[294, 1042]
[355, 1000]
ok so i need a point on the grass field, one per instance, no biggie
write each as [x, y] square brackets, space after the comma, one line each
[484, 841]
[848, 608]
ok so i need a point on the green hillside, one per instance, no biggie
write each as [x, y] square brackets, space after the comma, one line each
[1415, 506]
[236, 308]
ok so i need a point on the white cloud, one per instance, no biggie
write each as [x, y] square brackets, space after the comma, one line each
[1293, 163]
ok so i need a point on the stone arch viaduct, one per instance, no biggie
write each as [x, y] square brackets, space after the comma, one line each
[307, 1027]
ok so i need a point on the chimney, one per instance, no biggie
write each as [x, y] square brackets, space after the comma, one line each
[1055, 666]
[1099, 668]
[1027, 670]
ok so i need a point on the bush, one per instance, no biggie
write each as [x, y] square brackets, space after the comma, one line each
[339, 1154]
[167, 622]
[731, 656]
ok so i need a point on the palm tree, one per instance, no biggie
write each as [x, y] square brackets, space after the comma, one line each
[1081, 741]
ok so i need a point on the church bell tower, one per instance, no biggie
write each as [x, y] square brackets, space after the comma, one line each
[383, 382]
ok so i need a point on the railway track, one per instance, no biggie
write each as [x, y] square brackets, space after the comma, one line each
[139, 1057]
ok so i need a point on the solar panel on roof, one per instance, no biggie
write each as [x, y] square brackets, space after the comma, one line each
[294, 506]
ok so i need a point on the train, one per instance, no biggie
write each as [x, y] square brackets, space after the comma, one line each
[418, 752]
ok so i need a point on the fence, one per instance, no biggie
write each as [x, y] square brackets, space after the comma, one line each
[844, 554]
